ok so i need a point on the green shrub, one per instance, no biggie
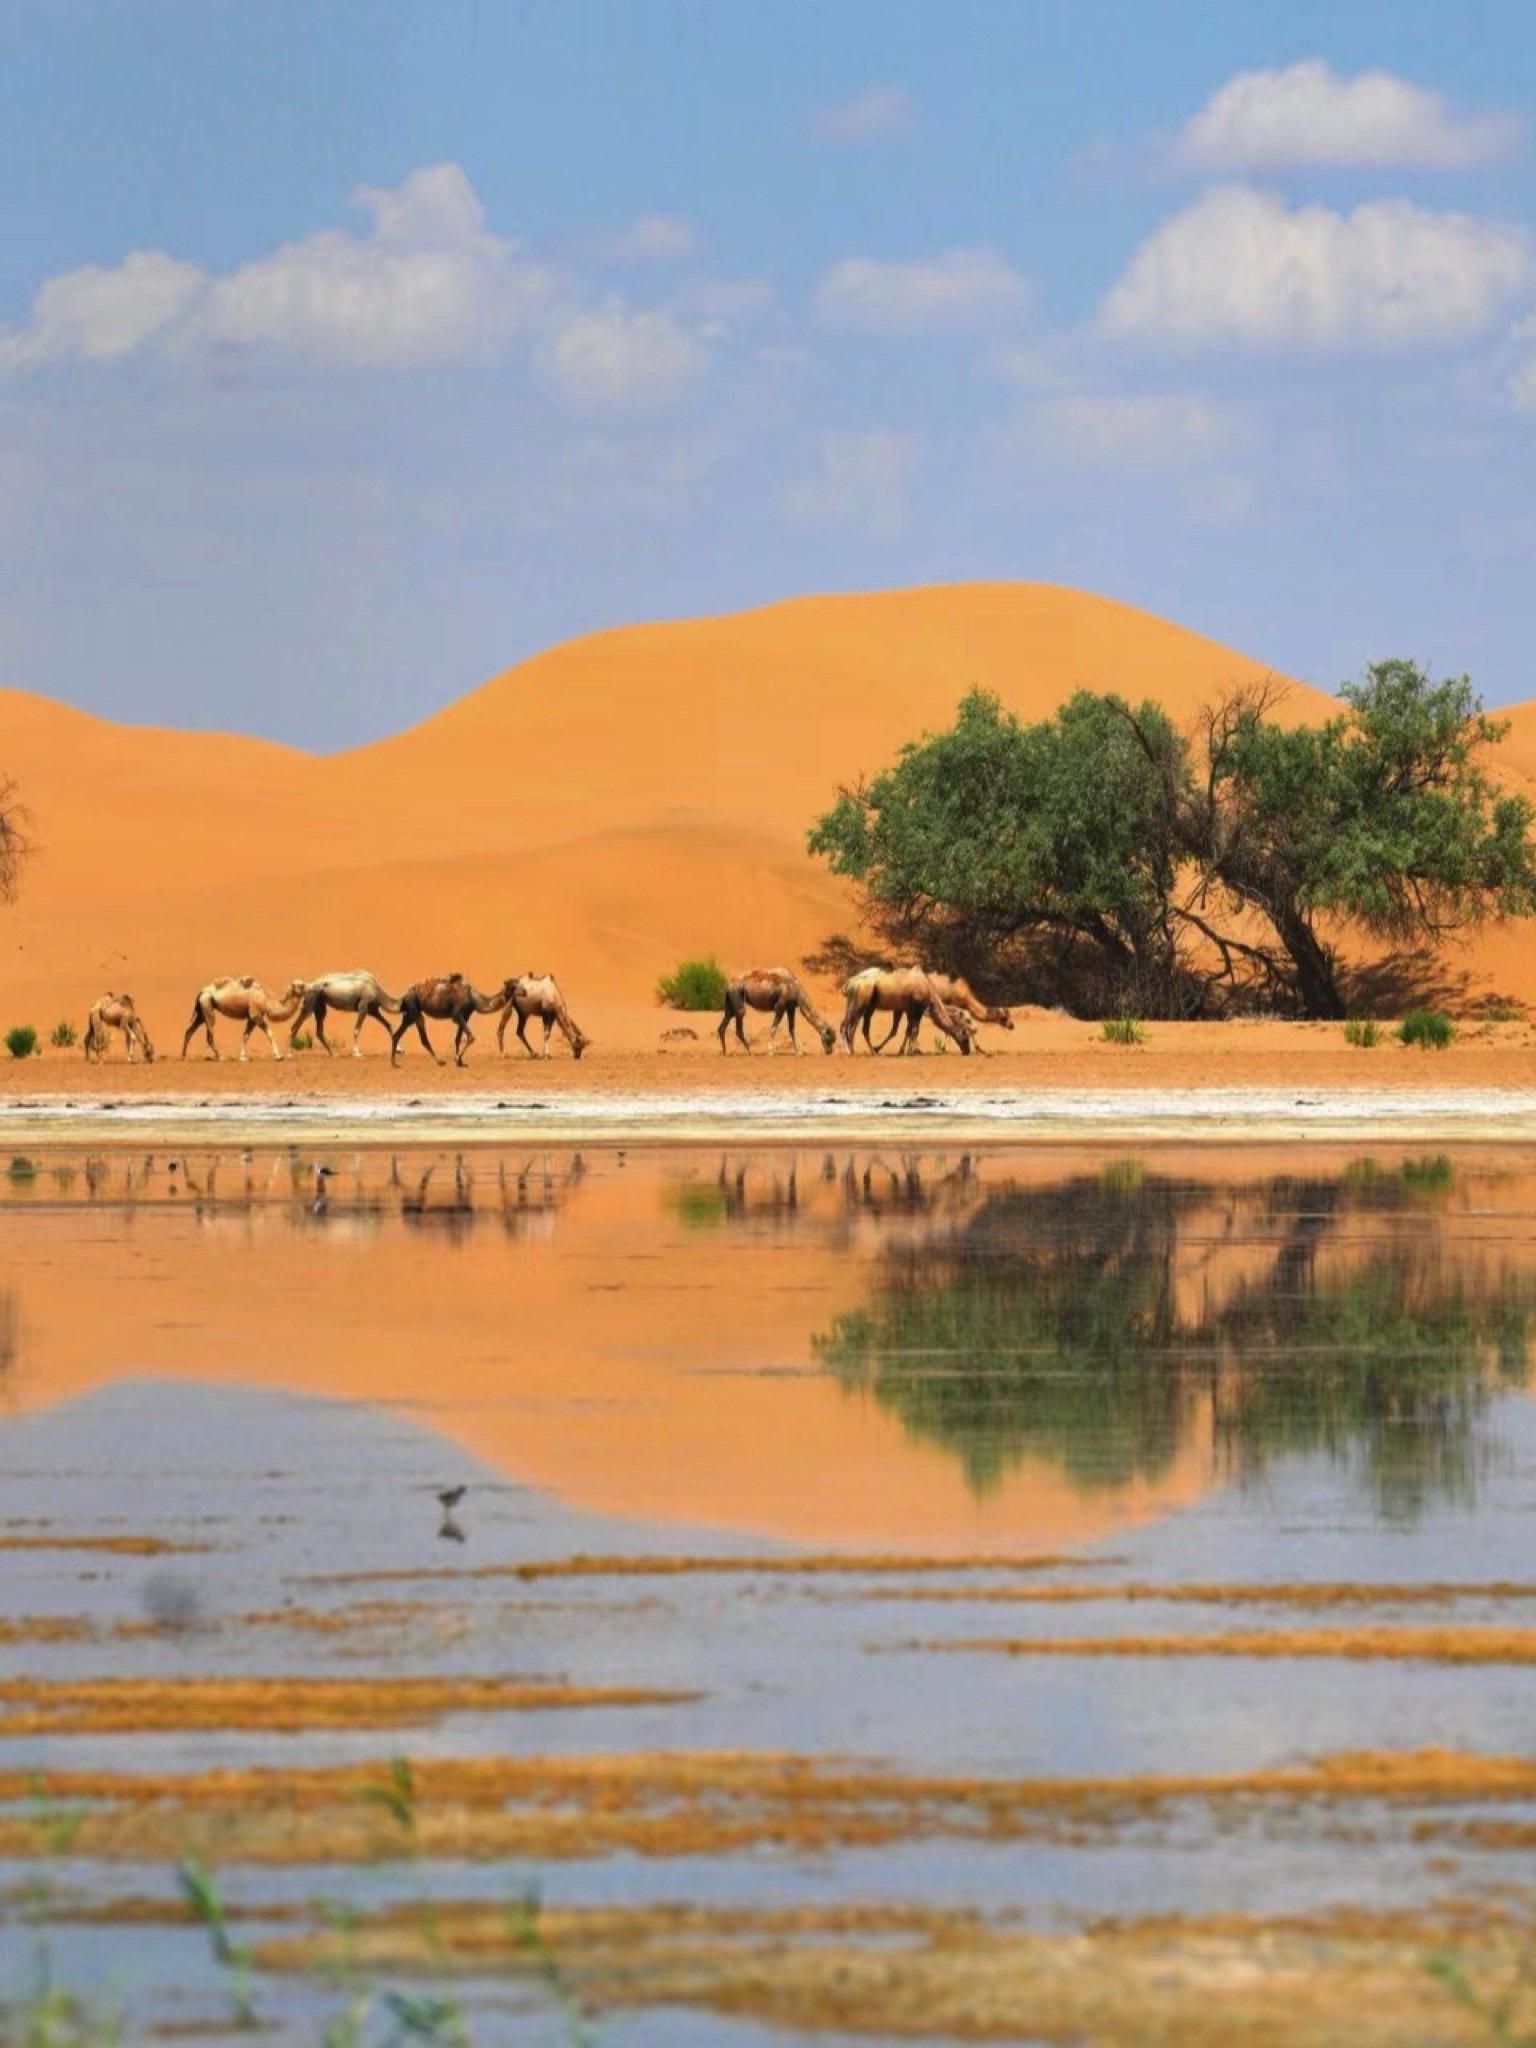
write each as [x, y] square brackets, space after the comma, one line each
[63, 1033]
[693, 985]
[302, 1042]
[1503, 1013]
[1426, 1028]
[21, 1041]
[1123, 1030]
[1361, 1031]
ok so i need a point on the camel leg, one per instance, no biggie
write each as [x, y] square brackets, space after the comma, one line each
[245, 1036]
[271, 1041]
[421, 1033]
[501, 1029]
[463, 1039]
[896, 1017]
[549, 1025]
[522, 1032]
[357, 1029]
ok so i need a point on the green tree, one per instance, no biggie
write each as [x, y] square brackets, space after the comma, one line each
[1197, 871]
[995, 832]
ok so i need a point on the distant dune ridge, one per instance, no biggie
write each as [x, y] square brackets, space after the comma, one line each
[598, 810]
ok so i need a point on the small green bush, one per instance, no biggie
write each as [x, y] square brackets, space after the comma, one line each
[302, 1042]
[1503, 1013]
[1361, 1031]
[63, 1033]
[1123, 1030]
[693, 985]
[21, 1041]
[1426, 1028]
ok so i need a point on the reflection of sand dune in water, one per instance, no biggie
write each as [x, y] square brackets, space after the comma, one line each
[1021, 1349]
[641, 1345]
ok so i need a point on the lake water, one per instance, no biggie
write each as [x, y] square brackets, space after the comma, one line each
[1017, 1465]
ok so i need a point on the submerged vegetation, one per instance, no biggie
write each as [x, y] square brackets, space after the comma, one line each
[1104, 859]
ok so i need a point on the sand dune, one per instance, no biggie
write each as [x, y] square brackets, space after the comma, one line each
[599, 809]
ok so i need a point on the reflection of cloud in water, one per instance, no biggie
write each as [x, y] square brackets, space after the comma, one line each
[1100, 1320]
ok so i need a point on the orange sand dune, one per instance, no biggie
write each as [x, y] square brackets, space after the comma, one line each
[600, 809]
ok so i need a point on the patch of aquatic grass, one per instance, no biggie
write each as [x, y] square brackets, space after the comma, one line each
[21, 1041]
[693, 985]
[64, 1034]
[1361, 1031]
[1123, 1030]
[205, 1902]
[1430, 1030]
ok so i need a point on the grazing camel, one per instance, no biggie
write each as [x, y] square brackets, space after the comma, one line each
[446, 996]
[246, 1001]
[905, 992]
[115, 1013]
[538, 995]
[957, 992]
[774, 989]
[351, 989]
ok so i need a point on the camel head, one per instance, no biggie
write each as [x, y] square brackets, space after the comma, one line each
[579, 1044]
[828, 1038]
[1002, 1017]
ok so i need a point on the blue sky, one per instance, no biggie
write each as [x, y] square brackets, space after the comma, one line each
[348, 352]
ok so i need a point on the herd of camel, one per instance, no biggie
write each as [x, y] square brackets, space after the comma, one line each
[905, 994]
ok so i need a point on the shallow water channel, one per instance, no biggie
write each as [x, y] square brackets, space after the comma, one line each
[870, 1542]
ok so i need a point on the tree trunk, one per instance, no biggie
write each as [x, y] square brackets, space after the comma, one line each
[1316, 979]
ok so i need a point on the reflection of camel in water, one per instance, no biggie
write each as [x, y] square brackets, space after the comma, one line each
[244, 1000]
[774, 990]
[351, 989]
[445, 997]
[115, 1013]
[538, 995]
[903, 993]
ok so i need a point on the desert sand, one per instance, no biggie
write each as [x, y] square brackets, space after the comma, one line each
[600, 810]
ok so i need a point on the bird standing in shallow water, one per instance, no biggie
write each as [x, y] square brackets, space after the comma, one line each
[322, 1200]
[450, 1497]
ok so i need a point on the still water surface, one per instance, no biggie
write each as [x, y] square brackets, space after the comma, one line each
[1135, 1375]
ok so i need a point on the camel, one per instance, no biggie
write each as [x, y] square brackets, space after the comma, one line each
[774, 989]
[351, 989]
[447, 995]
[957, 992]
[538, 995]
[906, 992]
[244, 1000]
[115, 1013]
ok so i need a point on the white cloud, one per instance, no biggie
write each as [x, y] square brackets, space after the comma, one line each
[653, 238]
[879, 113]
[861, 481]
[1241, 266]
[1306, 114]
[956, 290]
[1140, 430]
[615, 360]
[428, 283]
[96, 313]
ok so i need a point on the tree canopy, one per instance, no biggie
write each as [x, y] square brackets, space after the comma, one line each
[1104, 856]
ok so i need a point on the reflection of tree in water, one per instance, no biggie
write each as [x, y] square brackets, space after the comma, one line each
[1069, 1322]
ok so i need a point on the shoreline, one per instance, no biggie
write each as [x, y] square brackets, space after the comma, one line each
[1212, 1114]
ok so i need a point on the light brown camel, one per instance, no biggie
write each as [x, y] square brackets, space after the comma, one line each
[351, 989]
[246, 1001]
[537, 995]
[957, 992]
[445, 996]
[115, 1013]
[776, 990]
[905, 993]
